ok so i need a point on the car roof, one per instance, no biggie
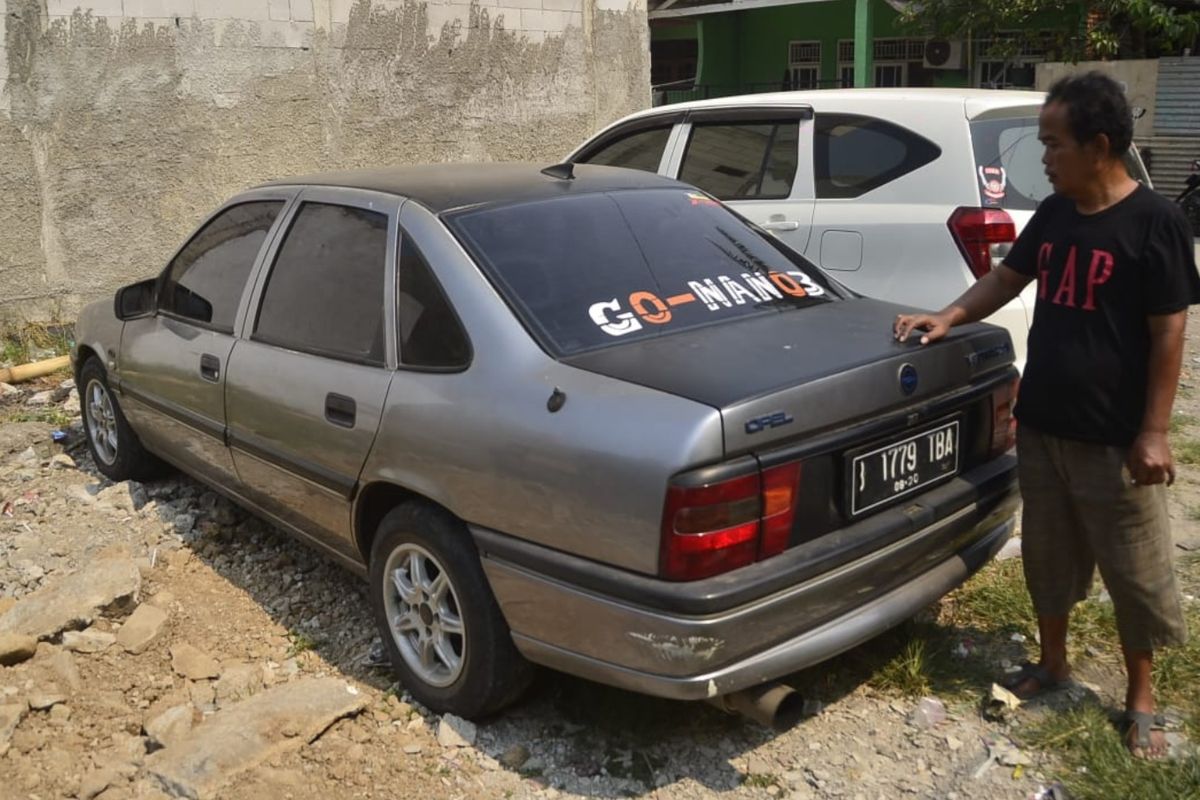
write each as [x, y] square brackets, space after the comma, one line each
[445, 187]
[975, 101]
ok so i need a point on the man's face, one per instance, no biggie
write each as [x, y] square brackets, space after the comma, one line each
[1070, 166]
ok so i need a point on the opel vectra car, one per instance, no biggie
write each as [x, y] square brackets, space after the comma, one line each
[906, 195]
[590, 419]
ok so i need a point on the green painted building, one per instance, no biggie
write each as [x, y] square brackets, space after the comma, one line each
[707, 48]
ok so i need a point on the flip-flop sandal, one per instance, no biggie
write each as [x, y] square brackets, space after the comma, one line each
[1045, 681]
[1145, 723]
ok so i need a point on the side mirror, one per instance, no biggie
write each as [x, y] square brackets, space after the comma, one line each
[135, 300]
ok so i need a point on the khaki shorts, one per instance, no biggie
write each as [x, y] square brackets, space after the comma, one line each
[1081, 512]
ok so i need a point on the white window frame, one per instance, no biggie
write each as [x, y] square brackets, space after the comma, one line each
[1030, 55]
[804, 59]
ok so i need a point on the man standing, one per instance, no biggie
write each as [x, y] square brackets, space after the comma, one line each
[1115, 272]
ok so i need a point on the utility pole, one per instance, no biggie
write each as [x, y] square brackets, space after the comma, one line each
[864, 45]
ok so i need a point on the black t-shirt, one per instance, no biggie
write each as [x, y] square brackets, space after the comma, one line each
[1098, 277]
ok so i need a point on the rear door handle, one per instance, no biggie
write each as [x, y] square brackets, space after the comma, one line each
[210, 368]
[340, 410]
[781, 225]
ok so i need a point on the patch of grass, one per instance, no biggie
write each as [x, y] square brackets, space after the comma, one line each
[22, 343]
[908, 673]
[301, 643]
[51, 416]
[995, 600]
[1180, 422]
[1177, 673]
[1186, 451]
[1098, 767]
[757, 780]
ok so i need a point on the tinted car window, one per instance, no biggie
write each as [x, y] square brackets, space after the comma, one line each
[855, 154]
[752, 161]
[1008, 163]
[325, 291]
[430, 333]
[642, 150]
[205, 281]
[591, 270]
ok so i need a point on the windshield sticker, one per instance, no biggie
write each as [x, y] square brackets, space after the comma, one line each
[995, 183]
[647, 308]
[701, 199]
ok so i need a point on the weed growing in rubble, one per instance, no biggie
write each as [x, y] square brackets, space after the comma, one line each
[31, 341]
[301, 643]
[51, 416]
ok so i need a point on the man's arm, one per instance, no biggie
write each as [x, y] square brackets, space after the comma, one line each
[1150, 458]
[984, 298]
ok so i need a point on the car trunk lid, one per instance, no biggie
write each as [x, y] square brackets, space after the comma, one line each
[784, 376]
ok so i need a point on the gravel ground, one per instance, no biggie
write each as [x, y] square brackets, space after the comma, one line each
[90, 711]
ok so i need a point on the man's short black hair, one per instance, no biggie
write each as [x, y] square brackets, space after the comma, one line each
[1095, 104]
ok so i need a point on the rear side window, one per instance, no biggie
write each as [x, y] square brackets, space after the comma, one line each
[642, 150]
[204, 282]
[592, 270]
[325, 291]
[1008, 163]
[856, 154]
[750, 161]
[431, 337]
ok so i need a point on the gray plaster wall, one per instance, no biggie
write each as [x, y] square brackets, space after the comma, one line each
[123, 122]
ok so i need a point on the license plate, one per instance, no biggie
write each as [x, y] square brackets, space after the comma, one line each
[900, 468]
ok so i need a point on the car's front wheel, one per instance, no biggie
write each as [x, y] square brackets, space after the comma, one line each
[115, 448]
[440, 624]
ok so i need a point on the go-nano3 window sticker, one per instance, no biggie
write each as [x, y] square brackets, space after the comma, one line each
[724, 292]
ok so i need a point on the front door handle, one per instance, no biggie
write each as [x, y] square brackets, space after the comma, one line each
[210, 368]
[340, 410]
[781, 225]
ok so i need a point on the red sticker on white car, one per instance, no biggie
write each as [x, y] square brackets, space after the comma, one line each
[995, 182]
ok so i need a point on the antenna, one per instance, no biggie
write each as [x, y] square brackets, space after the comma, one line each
[564, 171]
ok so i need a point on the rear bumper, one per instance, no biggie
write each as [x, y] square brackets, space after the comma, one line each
[627, 642]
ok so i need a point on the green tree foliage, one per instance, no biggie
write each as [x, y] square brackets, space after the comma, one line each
[1068, 31]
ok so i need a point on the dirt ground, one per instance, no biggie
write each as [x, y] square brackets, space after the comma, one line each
[272, 613]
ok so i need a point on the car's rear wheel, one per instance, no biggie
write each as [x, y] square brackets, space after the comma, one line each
[115, 448]
[440, 624]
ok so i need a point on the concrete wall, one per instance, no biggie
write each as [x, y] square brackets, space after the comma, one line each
[1140, 78]
[123, 122]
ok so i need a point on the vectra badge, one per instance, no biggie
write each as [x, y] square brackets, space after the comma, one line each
[908, 379]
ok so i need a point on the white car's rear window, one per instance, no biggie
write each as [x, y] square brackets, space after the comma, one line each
[1008, 163]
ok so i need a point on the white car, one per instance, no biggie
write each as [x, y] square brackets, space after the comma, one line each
[905, 195]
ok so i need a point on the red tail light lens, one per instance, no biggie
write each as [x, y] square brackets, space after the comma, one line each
[982, 235]
[1004, 424]
[780, 485]
[719, 527]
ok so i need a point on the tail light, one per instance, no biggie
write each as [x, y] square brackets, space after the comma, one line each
[717, 527]
[984, 235]
[1004, 424]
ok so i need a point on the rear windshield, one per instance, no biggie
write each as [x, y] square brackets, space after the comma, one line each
[1008, 163]
[593, 270]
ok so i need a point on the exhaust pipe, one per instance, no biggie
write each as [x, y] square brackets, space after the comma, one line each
[772, 705]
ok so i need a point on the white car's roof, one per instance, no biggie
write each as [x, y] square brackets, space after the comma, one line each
[974, 101]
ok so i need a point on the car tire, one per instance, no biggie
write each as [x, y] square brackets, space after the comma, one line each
[427, 582]
[114, 446]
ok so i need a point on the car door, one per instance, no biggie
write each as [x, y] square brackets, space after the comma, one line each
[758, 161]
[173, 364]
[307, 385]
